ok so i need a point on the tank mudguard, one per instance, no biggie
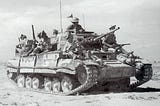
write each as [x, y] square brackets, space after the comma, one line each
[145, 61]
[13, 63]
[90, 62]
[68, 65]
[68, 71]
[141, 62]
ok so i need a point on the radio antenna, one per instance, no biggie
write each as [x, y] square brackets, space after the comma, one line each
[60, 8]
[84, 21]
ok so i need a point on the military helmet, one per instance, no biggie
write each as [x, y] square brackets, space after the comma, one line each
[75, 19]
[23, 36]
[55, 31]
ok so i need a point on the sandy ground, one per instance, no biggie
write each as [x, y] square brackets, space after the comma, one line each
[147, 95]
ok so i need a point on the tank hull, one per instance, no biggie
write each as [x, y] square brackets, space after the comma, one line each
[83, 74]
[50, 63]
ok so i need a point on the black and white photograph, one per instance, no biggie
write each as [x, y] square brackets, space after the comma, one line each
[79, 53]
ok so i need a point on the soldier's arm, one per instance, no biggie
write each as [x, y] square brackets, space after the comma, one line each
[81, 29]
[106, 44]
[69, 28]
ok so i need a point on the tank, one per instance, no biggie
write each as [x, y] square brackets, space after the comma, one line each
[83, 68]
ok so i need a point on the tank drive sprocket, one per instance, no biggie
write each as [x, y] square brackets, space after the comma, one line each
[144, 75]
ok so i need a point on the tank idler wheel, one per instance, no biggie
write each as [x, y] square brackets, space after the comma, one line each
[66, 84]
[9, 74]
[47, 84]
[35, 83]
[56, 85]
[20, 81]
[28, 82]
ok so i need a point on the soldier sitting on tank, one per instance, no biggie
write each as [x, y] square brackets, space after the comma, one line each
[43, 43]
[20, 48]
[54, 40]
[109, 41]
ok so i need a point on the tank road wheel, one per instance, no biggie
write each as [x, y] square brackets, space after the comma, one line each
[20, 81]
[28, 82]
[56, 85]
[35, 82]
[47, 84]
[66, 84]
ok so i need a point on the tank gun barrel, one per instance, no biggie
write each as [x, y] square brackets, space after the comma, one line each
[103, 35]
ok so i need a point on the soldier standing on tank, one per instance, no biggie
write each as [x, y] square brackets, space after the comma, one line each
[75, 27]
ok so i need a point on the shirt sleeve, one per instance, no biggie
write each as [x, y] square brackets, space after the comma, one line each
[69, 27]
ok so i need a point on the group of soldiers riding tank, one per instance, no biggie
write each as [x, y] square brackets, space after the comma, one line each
[31, 47]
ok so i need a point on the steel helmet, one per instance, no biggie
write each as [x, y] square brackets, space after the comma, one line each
[75, 19]
[23, 36]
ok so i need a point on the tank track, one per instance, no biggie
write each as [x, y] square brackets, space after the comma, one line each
[145, 76]
[91, 80]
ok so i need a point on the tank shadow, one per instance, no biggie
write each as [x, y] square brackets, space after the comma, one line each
[139, 89]
[148, 89]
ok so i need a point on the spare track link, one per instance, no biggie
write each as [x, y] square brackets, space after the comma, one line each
[147, 76]
[90, 81]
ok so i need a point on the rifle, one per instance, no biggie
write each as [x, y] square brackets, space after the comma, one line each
[34, 42]
[121, 45]
[103, 35]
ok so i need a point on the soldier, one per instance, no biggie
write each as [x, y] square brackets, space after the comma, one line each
[109, 41]
[54, 37]
[54, 40]
[43, 43]
[20, 48]
[75, 25]
[74, 28]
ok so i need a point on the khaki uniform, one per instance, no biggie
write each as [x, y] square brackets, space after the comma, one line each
[109, 42]
[78, 28]
[20, 48]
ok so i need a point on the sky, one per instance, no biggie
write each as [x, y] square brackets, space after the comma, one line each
[139, 21]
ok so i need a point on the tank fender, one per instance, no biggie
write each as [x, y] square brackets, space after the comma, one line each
[144, 61]
[69, 66]
[68, 71]
[141, 62]
[91, 62]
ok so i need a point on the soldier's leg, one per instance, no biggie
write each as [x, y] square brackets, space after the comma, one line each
[67, 47]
